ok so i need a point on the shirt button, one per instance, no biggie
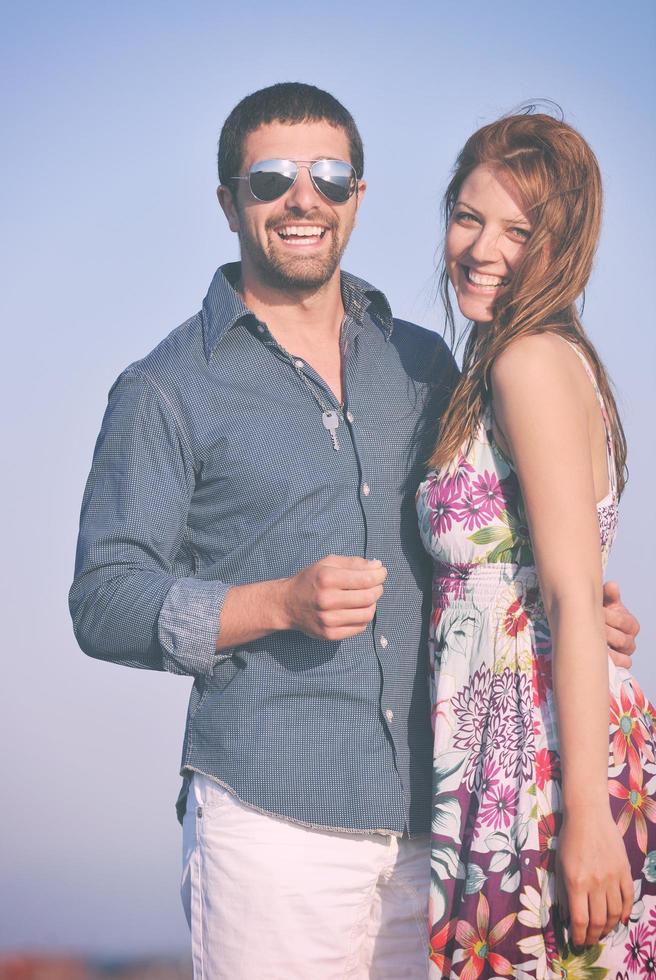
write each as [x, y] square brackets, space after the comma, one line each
[349, 416]
[383, 642]
[366, 489]
[260, 328]
[299, 363]
[389, 714]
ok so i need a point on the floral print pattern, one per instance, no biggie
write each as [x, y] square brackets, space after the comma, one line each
[497, 806]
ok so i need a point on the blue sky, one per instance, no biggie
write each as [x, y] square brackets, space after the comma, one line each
[111, 117]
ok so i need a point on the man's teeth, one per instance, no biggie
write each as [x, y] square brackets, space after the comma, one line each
[302, 231]
[478, 279]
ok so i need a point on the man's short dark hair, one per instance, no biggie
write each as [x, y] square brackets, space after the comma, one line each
[286, 102]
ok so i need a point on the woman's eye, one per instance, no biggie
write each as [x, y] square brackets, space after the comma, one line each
[466, 217]
[522, 233]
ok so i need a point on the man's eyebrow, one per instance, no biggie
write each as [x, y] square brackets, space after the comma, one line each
[518, 220]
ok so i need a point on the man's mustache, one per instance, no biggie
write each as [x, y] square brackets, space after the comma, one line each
[312, 217]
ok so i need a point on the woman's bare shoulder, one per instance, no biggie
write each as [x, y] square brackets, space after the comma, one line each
[534, 362]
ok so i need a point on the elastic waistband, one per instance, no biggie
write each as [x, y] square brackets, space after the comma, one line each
[458, 582]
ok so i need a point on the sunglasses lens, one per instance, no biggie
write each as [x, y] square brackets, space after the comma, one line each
[270, 179]
[334, 179]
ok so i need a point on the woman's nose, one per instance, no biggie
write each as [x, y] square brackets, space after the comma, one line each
[485, 247]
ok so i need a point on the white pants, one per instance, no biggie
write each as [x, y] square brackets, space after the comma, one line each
[270, 900]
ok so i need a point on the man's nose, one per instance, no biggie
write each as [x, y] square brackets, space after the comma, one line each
[303, 195]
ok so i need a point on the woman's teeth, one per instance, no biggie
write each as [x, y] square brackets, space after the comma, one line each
[478, 279]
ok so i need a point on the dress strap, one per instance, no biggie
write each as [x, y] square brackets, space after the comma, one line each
[610, 455]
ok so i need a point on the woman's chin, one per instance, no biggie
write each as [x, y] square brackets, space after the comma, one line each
[475, 307]
[477, 312]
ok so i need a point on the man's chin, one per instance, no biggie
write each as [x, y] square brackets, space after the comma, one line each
[301, 275]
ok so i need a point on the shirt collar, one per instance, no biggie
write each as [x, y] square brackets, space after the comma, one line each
[224, 308]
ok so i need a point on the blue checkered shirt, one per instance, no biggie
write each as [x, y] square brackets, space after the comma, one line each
[213, 468]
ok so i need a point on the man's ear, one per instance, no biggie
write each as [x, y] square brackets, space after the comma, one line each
[362, 187]
[228, 206]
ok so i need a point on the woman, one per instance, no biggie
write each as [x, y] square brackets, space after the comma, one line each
[544, 835]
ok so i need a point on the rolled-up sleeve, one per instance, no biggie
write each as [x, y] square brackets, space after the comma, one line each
[135, 599]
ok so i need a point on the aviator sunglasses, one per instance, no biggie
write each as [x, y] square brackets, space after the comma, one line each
[269, 179]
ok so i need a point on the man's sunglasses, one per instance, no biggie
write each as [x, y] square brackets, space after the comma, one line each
[270, 179]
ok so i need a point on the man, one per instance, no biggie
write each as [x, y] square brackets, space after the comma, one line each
[249, 520]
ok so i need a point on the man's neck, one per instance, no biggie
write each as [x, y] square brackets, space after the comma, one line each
[301, 320]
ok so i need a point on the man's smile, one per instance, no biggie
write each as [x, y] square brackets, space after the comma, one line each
[301, 235]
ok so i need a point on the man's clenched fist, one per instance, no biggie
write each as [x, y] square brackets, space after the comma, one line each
[335, 598]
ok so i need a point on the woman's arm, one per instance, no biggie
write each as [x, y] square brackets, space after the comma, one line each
[546, 416]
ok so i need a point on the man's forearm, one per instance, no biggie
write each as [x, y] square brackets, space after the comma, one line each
[251, 612]
[332, 599]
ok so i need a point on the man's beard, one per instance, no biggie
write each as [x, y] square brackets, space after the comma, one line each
[296, 272]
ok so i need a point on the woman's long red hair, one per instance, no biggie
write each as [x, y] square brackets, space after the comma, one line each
[557, 177]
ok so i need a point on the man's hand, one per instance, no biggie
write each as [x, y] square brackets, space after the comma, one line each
[334, 598]
[621, 626]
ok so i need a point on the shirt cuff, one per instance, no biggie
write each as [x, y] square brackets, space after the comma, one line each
[188, 625]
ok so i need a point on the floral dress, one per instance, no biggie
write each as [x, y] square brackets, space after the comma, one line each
[496, 776]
